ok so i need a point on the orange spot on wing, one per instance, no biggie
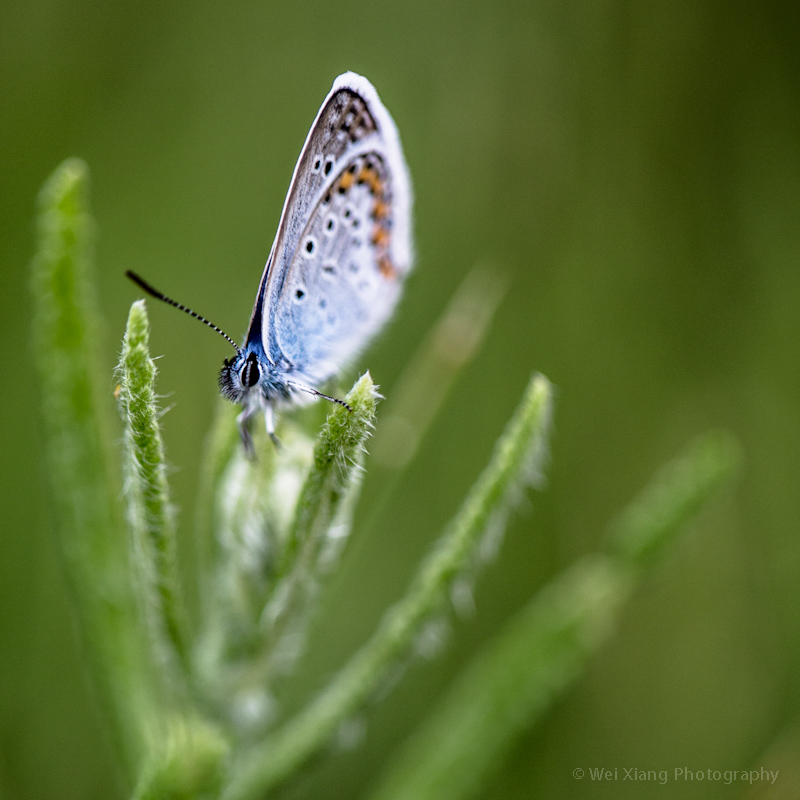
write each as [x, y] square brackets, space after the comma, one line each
[376, 185]
[380, 236]
[346, 181]
[386, 268]
[372, 179]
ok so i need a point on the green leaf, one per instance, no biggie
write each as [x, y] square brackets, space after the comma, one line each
[279, 526]
[322, 517]
[515, 679]
[673, 497]
[187, 764]
[76, 406]
[150, 516]
[508, 686]
[516, 459]
[253, 506]
[337, 460]
[421, 389]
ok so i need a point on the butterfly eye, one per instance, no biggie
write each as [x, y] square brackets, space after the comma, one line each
[250, 374]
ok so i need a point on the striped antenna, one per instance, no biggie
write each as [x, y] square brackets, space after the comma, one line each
[153, 292]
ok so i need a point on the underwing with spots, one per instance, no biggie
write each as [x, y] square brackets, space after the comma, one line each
[337, 265]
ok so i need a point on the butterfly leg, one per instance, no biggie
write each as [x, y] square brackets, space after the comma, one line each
[244, 432]
[269, 418]
[303, 388]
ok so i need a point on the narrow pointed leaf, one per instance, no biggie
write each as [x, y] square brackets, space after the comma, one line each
[516, 458]
[150, 515]
[187, 764]
[674, 496]
[76, 416]
[276, 524]
[420, 391]
[252, 508]
[509, 685]
[321, 515]
[514, 679]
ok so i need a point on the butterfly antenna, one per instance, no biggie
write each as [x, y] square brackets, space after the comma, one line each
[153, 292]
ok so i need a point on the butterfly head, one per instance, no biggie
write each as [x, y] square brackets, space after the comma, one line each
[239, 375]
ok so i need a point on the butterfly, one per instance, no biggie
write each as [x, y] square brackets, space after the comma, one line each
[338, 262]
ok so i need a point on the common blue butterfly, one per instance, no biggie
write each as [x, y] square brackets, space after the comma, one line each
[337, 264]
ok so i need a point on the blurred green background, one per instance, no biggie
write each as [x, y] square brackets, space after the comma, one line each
[632, 168]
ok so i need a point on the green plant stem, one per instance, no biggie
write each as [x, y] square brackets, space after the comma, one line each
[508, 686]
[336, 458]
[254, 500]
[275, 759]
[220, 444]
[675, 495]
[186, 763]
[422, 387]
[515, 679]
[86, 514]
[150, 515]
[325, 501]
[278, 528]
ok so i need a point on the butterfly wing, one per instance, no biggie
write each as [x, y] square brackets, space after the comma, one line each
[343, 244]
